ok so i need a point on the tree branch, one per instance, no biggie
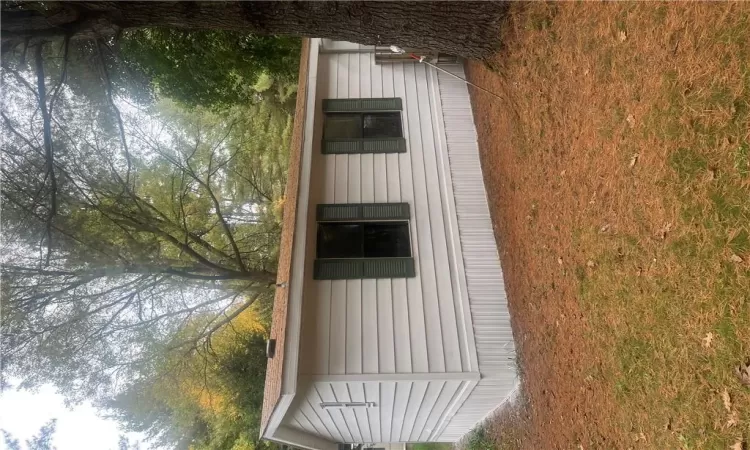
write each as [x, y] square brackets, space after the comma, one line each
[49, 155]
[110, 99]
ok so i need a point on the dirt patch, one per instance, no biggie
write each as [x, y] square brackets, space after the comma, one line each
[615, 166]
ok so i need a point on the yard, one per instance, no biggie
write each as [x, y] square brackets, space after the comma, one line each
[618, 168]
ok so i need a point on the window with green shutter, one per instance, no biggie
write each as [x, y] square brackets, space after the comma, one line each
[363, 125]
[363, 240]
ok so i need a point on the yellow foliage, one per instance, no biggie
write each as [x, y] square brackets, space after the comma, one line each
[196, 383]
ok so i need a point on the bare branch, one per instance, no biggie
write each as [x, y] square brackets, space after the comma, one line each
[49, 154]
[114, 107]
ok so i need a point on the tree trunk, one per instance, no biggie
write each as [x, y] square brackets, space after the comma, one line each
[462, 28]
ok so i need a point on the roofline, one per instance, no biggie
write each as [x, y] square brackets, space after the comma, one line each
[281, 374]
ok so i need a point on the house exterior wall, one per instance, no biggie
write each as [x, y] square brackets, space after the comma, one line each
[407, 411]
[434, 353]
[399, 325]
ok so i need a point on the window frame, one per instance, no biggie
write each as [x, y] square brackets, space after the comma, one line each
[361, 107]
[364, 267]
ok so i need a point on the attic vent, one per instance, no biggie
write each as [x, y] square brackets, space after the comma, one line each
[334, 405]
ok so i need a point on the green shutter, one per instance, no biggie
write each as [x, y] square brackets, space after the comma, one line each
[349, 269]
[337, 269]
[361, 145]
[388, 268]
[362, 104]
[344, 212]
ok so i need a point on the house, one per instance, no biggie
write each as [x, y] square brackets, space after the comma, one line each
[390, 322]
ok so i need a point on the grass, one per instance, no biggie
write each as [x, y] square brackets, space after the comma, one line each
[646, 109]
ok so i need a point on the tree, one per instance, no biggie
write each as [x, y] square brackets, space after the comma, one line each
[209, 399]
[40, 441]
[210, 68]
[129, 231]
[460, 28]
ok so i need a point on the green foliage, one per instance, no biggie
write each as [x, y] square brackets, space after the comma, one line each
[480, 440]
[211, 68]
[209, 398]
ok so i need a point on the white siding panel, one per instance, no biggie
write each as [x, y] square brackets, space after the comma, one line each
[354, 328]
[415, 310]
[337, 345]
[357, 393]
[416, 399]
[447, 393]
[400, 403]
[343, 394]
[486, 290]
[370, 327]
[444, 288]
[372, 394]
[431, 396]
[433, 335]
[326, 394]
[387, 397]
[386, 342]
[403, 344]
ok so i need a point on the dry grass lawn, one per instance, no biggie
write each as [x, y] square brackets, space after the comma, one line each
[618, 166]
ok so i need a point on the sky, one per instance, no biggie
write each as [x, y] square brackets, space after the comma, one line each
[22, 413]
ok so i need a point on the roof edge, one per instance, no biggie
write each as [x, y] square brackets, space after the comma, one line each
[275, 367]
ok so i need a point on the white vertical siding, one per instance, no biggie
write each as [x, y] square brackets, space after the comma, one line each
[486, 291]
[452, 317]
[405, 411]
[381, 326]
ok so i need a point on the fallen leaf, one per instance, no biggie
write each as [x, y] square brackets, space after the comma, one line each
[664, 230]
[736, 258]
[726, 400]
[708, 340]
[630, 120]
[733, 419]
[633, 160]
[743, 373]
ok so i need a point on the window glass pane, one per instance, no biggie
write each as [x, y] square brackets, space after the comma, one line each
[386, 239]
[343, 126]
[340, 240]
[382, 125]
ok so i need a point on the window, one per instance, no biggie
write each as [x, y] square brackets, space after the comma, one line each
[365, 125]
[367, 240]
[363, 240]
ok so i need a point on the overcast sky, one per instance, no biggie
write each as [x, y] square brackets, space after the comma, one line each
[22, 413]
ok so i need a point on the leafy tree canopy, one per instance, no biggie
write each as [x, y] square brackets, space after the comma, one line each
[204, 399]
[213, 68]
